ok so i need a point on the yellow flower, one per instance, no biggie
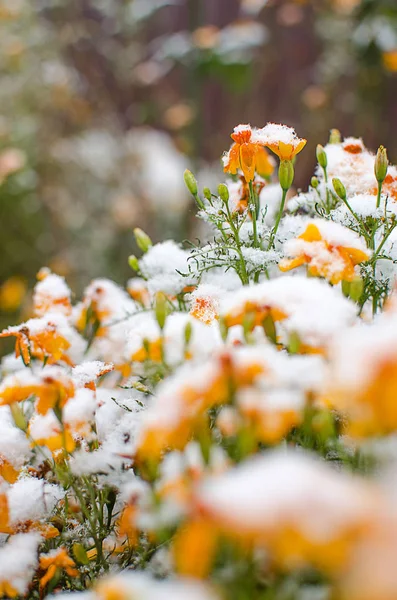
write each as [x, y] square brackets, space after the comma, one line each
[325, 258]
[7, 590]
[12, 293]
[371, 407]
[282, 140]
[59, 559]
[47, 344]
[247, 154]
[7, 471]
[126, 526]
[50, 391]
[194, 548]
[390, 60]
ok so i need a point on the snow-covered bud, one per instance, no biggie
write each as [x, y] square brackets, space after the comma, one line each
[381, 164]
[142, 239]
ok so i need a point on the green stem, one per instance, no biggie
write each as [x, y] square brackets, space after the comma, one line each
[379, 193]
[243, 275]
[327, 203]
[254, 204]
[278, 219]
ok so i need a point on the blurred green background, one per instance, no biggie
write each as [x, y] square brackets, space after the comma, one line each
[104, 103]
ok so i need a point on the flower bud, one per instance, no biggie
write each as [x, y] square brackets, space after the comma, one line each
[294, 343]
[321, 156]
[353, 289]
[314, 182]
[223, 192]
[190, 182]
[142, 239]
[207, 193]
[133, 262]
[223, 329]
[80, 554]
[269, 328]
[335, 136]
[339, 188]
[188, 333]
[286, 174]
[161, 309]
[18, 416]
[381, 164]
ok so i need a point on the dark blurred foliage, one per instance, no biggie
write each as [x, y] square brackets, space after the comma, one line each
[88, 85]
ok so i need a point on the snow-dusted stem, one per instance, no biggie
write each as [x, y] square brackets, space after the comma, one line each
[254, 204]
[278, 219]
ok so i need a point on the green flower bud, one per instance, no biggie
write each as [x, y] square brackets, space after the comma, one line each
[223, 329]
[188, 333]
[356, 289]
[191, 182]
[339, 188]
[294, 343]
[286, 174]
[80, 554]
[335, 136]
[133, 262]
[207, 193]
[269, 328]
[321, 156]
[223, 192]
[142, 239]
[381, 164]
[314, 182]
[18, 416]
[161, 309]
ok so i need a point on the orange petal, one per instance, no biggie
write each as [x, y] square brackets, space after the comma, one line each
[233, 163]
[247, 159]
[311, 234]
[357, 256]
[286, 264]
[194, 548]
[300, 147]
[285, 151]
[264, 163]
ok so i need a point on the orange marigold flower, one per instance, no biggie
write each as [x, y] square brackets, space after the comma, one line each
[7, 471]
[390, 60]
[194, 548]
[12, 293]
[281, 140]
[58, 559]
[126, 524]
[7, 590]
[52, 388]
[51, 294]
[248, 154]
[39, 339]
[329, 249]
